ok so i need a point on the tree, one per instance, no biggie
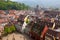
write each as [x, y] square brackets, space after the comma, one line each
[2, 0]
[8, 0]
[12, 5]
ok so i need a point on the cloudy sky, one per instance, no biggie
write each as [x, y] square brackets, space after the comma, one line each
[43, 3]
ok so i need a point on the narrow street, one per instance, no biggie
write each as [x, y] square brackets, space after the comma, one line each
[16, 36]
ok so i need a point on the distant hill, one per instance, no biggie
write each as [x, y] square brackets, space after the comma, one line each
[13, 5]
[30, 3]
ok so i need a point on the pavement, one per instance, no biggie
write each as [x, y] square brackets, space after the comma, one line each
[16, 36]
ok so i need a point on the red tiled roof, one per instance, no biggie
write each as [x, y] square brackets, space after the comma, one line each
[1, 28]
[11, 14]
[3, 20]
[12, 11]
[2, 12]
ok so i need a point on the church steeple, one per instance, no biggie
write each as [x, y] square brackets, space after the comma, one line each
[37, 10]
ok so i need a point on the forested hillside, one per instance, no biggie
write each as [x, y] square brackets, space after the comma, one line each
[9, 5]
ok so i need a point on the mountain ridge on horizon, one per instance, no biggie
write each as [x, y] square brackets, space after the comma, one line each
[40, 3]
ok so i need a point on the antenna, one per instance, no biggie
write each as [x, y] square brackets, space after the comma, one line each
[7, 37]
[13, 38]
[0, 38]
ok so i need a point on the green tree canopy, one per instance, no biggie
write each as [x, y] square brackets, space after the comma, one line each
[12, 5]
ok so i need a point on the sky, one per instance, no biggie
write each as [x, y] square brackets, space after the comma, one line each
[42, 3]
